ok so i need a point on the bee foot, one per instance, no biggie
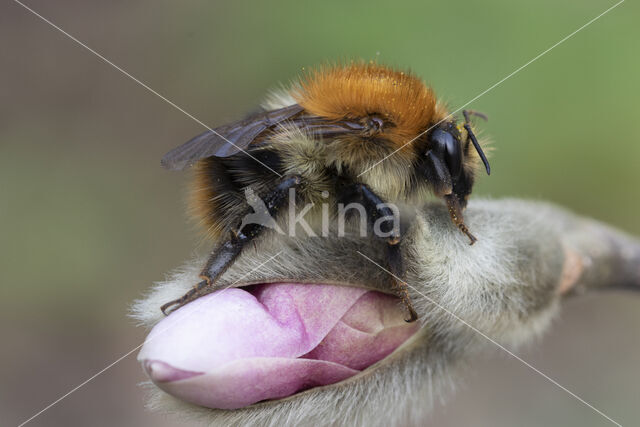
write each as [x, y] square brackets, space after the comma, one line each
[193, 294]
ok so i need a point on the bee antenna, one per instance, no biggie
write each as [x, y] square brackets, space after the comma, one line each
[474, 140]
[468, 113]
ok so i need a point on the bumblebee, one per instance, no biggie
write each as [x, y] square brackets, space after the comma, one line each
[362, 133]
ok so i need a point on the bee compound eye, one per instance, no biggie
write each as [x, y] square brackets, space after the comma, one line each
[449, 149]
[453, 156]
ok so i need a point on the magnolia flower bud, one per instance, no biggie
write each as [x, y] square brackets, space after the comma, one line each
[235, 347]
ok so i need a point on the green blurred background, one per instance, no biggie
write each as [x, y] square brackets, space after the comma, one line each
[88, 219]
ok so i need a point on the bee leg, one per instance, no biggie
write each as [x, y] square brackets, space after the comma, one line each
[468, 113]
[455, 212]
[224, 255]
[376, 209]
[402, 290]
[217, 263]
[189, 296]
[452, 190]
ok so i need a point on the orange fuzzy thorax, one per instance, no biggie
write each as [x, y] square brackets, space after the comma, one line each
[359, 90]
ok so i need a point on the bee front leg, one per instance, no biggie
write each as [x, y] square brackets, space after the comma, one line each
[455, 212]
[452, 190]
[376, 208]
[224, 255]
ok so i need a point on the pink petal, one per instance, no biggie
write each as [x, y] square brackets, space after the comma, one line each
[243, 382]
[284, 321]
[367, 333]
[235, 347]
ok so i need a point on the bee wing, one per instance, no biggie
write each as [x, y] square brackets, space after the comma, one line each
[226, 140]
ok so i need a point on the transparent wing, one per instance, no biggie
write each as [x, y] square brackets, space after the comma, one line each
[226, 140]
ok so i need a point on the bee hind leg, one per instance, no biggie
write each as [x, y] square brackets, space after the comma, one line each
[224, 255]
